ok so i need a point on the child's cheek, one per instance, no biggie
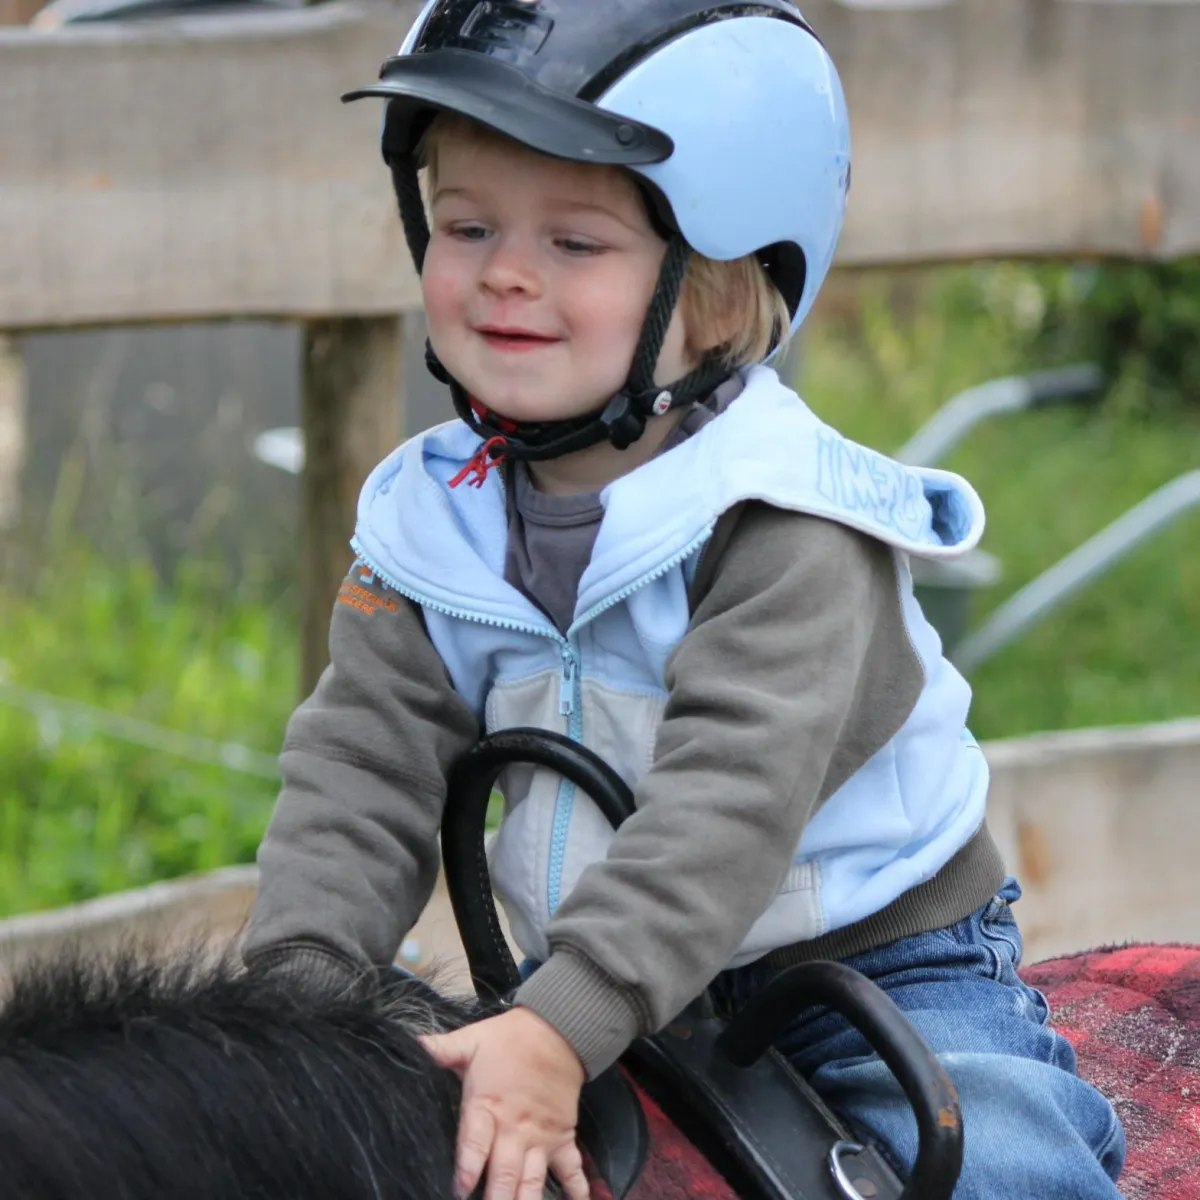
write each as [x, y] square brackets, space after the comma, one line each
[441, 292]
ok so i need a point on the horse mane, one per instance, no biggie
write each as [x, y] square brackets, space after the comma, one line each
[135, 1076]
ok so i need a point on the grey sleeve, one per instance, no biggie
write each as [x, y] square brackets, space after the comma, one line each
[795, 669]
[351, 853]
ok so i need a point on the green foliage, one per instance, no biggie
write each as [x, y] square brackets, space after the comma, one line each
[82, 814]
[1140, 320]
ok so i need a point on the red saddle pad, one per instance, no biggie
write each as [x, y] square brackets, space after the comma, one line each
[674, 1170]
[1133, 1016]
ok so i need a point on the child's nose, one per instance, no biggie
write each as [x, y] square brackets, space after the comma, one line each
[511, 267]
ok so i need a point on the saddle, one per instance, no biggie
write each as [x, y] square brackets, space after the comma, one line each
[703, 1083]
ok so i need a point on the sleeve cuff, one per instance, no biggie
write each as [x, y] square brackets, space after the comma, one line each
[310, 968]
[596, 1016]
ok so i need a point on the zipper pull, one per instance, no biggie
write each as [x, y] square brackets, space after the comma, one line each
[489, 455]
[566, 688]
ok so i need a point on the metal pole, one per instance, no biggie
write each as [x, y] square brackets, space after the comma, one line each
[959, 415]
[1083, 564]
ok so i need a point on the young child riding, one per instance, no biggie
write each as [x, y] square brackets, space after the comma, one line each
[636, 535]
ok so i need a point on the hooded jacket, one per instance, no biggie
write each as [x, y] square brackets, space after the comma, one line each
[900, 795]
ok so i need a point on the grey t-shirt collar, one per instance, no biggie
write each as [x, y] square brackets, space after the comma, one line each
[551, 537]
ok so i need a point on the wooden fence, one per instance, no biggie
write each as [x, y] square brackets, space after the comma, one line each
[203, 168]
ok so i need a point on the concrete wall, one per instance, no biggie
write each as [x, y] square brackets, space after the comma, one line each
[1101, 825]
[148, 431]
[210, 909]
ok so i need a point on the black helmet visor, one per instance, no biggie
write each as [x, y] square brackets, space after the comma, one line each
[505, 99]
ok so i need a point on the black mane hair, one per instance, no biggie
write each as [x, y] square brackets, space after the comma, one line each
[136, 1077]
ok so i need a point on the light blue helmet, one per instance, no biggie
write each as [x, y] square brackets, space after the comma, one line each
[732, 114]
[761, 159]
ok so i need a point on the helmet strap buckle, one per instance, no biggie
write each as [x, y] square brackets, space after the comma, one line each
[622, 421]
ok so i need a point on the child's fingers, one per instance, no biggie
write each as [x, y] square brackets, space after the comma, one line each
[476, 1133]
[450, 1050]
[533, 1177]
[567, 1165]
[506, 1169]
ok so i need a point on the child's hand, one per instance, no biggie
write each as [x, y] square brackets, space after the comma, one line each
[521, 1082]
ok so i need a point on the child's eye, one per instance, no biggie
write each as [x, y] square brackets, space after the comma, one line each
[469, 231]
[578, 246]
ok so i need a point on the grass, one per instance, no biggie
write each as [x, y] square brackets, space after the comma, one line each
[82, 814]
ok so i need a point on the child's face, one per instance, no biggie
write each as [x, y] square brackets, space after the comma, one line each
[537, 278]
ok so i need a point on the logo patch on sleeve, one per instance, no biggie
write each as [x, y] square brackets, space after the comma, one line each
[365, 599]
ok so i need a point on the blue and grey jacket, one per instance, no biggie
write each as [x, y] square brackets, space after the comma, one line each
[893, 824]
[778, 702]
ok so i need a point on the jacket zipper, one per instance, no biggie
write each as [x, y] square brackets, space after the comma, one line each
[662, 569]
[570, 703]
[566, 686]
[568, 706]
[569, 694]
[463, 613]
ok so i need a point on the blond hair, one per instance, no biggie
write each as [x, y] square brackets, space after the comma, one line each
[730, 308]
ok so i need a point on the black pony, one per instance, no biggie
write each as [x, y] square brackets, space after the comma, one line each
[138, 1078]
[134, 1077]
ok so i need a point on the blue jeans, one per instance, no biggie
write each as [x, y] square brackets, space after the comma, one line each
[1032, 1129]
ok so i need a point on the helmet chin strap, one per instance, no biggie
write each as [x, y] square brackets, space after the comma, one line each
[620, 421]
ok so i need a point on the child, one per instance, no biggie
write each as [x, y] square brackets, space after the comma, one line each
[638, 536]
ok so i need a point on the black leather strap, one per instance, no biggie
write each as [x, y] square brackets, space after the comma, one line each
[612, 1130]
[761, 1126]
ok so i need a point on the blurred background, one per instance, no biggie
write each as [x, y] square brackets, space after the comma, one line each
[151, 514]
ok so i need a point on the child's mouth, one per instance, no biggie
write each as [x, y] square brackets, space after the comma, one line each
[515, 339]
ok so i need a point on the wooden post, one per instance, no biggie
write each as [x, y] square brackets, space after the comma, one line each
[351, 416]
[12, 373]
[12, 431]
[18, 12]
